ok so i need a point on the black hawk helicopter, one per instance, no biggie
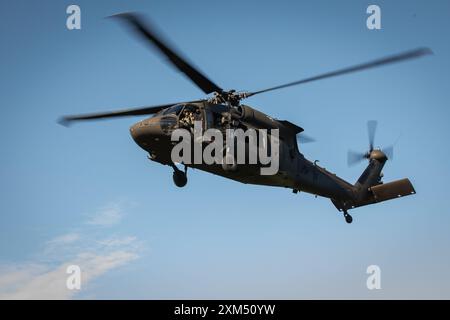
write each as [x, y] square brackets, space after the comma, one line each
[224, 110]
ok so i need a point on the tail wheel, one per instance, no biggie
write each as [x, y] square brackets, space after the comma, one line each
[348, 218]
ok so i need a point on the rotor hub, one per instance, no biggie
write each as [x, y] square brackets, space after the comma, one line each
[232, 97]
[377, 155]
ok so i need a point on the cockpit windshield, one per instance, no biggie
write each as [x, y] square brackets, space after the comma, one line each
[174, 109]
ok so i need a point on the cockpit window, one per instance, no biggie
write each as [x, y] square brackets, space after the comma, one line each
[174, 110]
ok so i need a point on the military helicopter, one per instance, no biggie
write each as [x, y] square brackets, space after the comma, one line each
[223, 109]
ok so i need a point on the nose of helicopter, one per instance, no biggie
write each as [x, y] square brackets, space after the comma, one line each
[146, 131]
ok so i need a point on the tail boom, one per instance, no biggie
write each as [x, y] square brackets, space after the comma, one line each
[378, 193]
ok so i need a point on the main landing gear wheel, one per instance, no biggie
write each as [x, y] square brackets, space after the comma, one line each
[348, 218]
[179, 177]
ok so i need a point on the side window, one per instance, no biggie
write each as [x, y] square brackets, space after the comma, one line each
[209, 119]
[189, 115]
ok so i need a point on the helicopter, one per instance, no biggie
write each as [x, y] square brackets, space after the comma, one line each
[223, 110]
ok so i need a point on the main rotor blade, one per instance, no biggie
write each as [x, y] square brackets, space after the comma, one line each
[375, 63]
[146, 31]
[66, 120]
[371, 130]
[303, 138]
[354, 157]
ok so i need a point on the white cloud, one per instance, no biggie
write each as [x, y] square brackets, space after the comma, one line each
[13, 274]
[64, 239]
[106, 216]
[114, 242]
[93, 251]
[42, 282]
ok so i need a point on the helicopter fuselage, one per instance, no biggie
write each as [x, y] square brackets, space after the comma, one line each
[224, 112]
[295, 171]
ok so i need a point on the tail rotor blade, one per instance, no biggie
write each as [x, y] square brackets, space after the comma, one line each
[354, 157]
[371, 130]
[389, 152]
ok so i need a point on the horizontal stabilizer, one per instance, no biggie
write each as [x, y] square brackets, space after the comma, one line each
[392, 190]
[379, 193]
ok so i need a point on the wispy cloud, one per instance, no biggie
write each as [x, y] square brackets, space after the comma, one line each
[93, 251]
[115, 242]
[107, 216]
[45, 282]
[64, 239]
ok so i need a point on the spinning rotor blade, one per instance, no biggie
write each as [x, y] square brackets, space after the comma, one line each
[375, 63]
[146, 31]
[389, 152]
[371, 130]
[66, 120]
[303, 138]
[354, 157]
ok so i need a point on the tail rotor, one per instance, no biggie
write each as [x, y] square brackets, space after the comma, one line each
[354, 157]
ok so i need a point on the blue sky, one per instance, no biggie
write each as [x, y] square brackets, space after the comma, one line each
[88, 195]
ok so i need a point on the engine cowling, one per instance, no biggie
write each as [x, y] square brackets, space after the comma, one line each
[254, 117]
